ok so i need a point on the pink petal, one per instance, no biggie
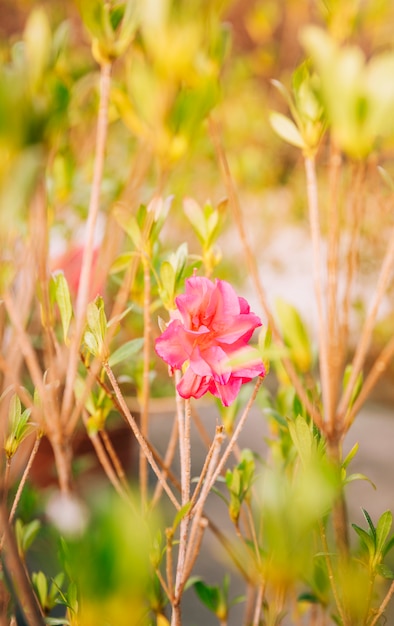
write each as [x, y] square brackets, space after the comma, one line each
[172, 345]
[192, 386]
[228, 392]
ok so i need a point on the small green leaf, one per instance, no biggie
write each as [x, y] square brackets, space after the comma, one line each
[126, 351]
[295, 334]
[25, 534]
[358, 476]
[209, 596]
[286, 129]
[384, 571]
[196, 217]
[350, 456]
[383, 528]
[302, 438]
[366, 539]
[370, 523]
[130, 225]
[63, 300]
[41, 587]
[181, 514]
[389, 545]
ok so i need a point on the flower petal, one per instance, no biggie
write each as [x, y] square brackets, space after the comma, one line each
[192, 385]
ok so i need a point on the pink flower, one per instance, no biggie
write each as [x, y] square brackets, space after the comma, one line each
[71, 263]
[208, 338]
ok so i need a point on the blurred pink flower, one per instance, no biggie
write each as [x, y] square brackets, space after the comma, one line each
[208, 338]
[70, 263]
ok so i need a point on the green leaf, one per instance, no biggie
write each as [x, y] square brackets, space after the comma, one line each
[196, 217]
[183, 511]
[25, 534]
[286, 129]
[358, 476]
[209, 596]
[294, 334]
[19, 425]
[370, 523]
[130, 225]
[366, 539]
[384, 571]
[383, 528]
[63, 300]
[126, 351]
[389, 545]
[302, 438]
[350, 456]
[40, 584]
[96, 332]
[357, 385]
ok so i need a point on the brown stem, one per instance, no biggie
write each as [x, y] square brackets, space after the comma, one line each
[137, 433]
[335, 349]
[105, 462]
[236, 433]
[24, 477]
[366, 333]
[114, 459]
[259, 604]
[168, 458]
[254, 274]
[144, 424]
[325, 371]
[339, 511]
[86, 268]
[375, 373]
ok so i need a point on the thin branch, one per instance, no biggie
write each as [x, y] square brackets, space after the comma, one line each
[377, 370]
[254, 274]
[105, 462]
[137, 433]
[259, 604]
[236, 433]
[168, 458]
[335, 349]
[366, 332]
[144, 417]
[24, 478]
[325, 372]
[114, 459]
[86, 268]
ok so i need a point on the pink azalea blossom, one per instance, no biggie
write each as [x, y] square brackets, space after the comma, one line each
[207, 339]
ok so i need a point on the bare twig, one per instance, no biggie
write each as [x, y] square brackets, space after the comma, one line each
[375, 373]
[144, 423]
[24, 478]
[236, 433]
[168, 458]
[254, 274]
[366, 332]
[334, 347]
[86, 269]
[325, 376]
[137, 433]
